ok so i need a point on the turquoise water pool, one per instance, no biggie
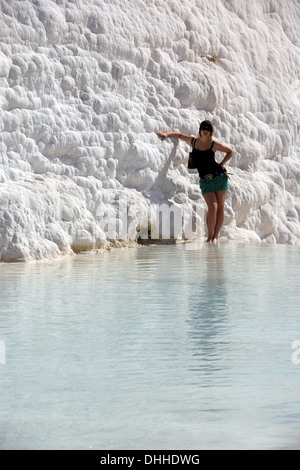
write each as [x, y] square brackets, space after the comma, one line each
[164, 347]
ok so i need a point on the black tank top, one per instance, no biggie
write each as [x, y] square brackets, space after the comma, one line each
[205, 161]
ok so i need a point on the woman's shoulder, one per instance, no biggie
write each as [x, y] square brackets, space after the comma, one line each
[220, 146]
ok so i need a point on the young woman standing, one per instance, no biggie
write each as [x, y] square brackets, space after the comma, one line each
[213, 178]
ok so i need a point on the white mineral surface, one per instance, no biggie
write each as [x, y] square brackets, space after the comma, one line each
[84, 86]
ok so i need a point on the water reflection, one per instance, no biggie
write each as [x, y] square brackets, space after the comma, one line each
[208, 313]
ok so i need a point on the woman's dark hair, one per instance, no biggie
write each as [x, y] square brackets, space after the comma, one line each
[206, 125]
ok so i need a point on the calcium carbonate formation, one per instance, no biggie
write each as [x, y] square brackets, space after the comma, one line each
[84, 86]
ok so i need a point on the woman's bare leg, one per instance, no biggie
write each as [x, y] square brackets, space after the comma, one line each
[212, 206]
[220, 196]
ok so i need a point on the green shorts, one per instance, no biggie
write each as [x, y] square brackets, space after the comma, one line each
[218, 183]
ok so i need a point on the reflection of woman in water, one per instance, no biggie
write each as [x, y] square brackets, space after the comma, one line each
[208, 319]
[213, 177]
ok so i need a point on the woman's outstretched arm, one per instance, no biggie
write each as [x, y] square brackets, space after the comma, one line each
[175, 135]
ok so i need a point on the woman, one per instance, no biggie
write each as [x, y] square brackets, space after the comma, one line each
[213, 178]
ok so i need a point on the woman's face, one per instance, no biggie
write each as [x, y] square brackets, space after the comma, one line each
[205, 131]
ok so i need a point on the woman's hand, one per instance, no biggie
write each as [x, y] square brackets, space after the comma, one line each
[162, 135]
[174, 135]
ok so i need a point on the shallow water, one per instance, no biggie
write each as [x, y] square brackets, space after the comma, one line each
[166, 347]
